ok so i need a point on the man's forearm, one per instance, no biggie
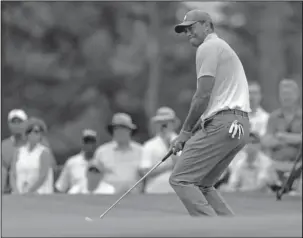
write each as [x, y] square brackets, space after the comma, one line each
[293, 138]
[197, 108]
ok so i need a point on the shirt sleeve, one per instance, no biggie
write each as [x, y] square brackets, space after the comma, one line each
[63, 182]
[207, 60]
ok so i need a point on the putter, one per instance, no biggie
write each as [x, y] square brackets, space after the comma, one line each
[284, 188]
[129, 190]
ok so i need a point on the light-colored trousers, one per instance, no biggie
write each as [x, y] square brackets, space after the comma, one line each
[205, 157]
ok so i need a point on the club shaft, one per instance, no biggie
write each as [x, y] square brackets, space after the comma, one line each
[129, 190]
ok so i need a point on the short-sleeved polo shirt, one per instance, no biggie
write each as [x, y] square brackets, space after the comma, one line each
[214, 57]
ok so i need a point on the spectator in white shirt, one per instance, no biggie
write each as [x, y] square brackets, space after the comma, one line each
[73, 177]
[165, 123]
[95, 183]
[32, 168]
[251, 169]
[258, 117]
[122, 156]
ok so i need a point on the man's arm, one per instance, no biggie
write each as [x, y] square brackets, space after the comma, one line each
[63, 182]
[199, 102]
[290, 138]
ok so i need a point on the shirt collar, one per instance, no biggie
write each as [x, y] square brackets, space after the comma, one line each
[211, 36]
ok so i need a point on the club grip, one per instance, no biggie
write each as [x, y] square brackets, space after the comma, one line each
[168, 155]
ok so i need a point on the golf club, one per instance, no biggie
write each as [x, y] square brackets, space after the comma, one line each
[285, 185]
[129, 190]
[151, 170]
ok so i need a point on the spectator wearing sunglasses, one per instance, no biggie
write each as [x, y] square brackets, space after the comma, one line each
[32, 170]
[73, 177]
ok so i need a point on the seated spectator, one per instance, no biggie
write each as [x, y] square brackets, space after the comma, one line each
[122, 156]
[32, 170]
[165, 122]
[258, 117]
[16, 119]
[73, 176]
[284, 131]
[251, 169]
[95, 183]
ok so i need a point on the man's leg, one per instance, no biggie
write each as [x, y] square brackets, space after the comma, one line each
[202, 154]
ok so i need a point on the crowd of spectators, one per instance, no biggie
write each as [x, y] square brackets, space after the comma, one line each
[28, 162]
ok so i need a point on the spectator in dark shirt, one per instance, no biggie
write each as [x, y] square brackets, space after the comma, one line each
[284, 130]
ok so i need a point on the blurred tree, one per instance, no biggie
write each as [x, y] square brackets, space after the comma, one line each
[268, 38]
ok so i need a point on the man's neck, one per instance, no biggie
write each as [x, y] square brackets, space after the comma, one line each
[123, 145]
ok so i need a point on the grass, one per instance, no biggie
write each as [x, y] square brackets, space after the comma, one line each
[258, 215]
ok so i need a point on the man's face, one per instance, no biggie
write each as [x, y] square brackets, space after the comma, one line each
[89, 146]
[255, 95]
[288, 93]
[165, 127]
[196, 33]
[16, 126]
[121, 134]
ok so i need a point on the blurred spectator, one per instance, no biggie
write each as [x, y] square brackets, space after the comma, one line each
[165, 122]
[95, 180]
[32, 170]
[284, 130]
[251, 169]
[122, 155]
[16, 119]
[258, 117]
[73, 176]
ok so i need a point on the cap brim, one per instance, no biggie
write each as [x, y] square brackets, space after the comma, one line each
[180, 27]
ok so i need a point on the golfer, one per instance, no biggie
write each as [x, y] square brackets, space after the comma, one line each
[221, 102]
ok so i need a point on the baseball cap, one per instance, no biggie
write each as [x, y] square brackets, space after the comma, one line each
[17, 113]
[191, 18]
[88, 133]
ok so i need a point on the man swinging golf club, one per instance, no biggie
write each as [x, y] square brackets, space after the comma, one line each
[221, 102]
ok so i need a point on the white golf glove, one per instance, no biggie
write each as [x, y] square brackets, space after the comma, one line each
[236, 129]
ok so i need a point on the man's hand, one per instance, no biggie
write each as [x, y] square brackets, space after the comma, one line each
[235, 129]
[178, 143]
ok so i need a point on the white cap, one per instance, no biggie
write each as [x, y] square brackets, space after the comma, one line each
[89, 133]
[17, 113]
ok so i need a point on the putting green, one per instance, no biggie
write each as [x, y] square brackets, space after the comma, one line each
[258, 215]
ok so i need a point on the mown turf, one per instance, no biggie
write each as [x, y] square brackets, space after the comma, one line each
[147, 215]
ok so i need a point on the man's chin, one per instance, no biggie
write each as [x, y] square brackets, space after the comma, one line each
[194, 42]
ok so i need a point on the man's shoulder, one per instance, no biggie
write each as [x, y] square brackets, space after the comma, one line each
[74, 159]
[105, 146]
[135, 145]
[154, 141]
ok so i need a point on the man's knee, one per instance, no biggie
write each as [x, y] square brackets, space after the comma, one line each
[177, 180]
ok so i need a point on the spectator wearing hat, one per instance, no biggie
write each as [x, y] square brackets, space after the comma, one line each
[251, 169]
[122, 155]
[16, 119]
[95, 183]
[32, 170]
[74, 174]
[165, 123]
